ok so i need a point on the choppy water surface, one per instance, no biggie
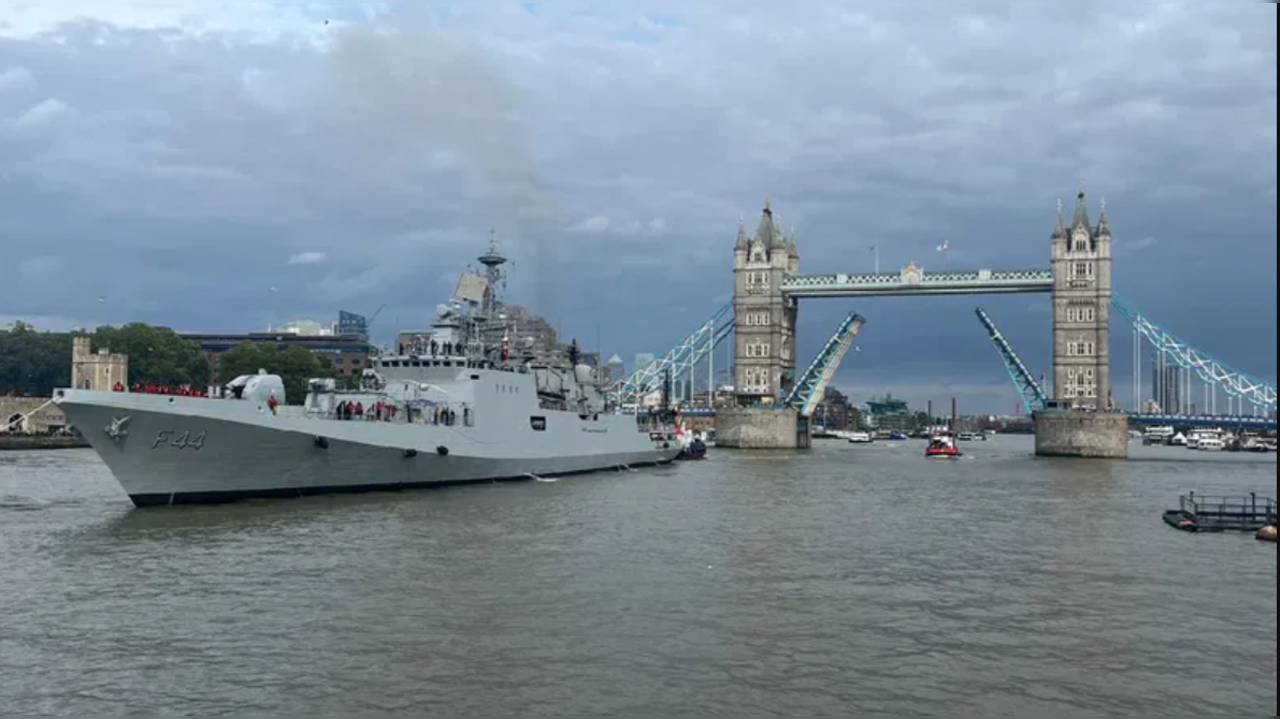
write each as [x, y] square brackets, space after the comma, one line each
[854, 579]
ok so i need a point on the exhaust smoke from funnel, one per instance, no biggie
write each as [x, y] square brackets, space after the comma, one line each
[408, 96]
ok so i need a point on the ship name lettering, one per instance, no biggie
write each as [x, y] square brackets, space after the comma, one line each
[184, 440]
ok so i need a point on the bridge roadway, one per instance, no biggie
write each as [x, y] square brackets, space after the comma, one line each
[1135, 420]
[912, 280]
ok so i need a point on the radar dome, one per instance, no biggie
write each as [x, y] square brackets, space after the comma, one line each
[584, 373]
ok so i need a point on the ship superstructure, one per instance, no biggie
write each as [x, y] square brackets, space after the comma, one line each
[464, 403]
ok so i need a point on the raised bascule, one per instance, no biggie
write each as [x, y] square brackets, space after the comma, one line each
[1076, 415]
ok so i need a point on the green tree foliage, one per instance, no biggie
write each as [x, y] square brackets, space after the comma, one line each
[295, 366]
[157, 355]
[33, 363]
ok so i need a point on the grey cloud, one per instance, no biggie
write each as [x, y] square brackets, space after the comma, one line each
[901, 123]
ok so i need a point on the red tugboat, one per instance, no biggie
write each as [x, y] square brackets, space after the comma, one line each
[943, 446]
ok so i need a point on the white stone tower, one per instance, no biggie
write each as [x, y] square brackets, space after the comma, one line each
[764, 320]
[1081, 261]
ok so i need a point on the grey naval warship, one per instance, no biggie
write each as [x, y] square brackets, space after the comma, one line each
[459, 405]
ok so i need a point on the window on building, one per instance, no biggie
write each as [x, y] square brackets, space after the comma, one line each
[755, 380]
[1072, 314]
[1083, 270]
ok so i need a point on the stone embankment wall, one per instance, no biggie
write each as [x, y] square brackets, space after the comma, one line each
[32, 441]
[39, 416]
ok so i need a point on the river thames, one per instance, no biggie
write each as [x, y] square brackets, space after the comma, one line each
[854, 579]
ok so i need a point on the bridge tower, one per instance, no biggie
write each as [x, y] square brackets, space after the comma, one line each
[764, 318]
[1081, 261]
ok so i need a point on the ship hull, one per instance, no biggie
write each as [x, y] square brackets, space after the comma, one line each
[177, 450]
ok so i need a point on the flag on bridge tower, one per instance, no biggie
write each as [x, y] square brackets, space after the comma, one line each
[946, 245]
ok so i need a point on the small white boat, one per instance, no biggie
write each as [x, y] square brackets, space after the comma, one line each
[943, 446]
[1212, 444]
[861, 438]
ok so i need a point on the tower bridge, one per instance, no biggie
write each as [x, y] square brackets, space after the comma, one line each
[1078, 415]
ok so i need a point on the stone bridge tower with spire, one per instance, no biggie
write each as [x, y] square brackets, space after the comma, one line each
[764, 319]
[1081, 261]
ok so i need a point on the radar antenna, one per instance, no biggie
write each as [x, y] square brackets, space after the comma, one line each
[493, 260]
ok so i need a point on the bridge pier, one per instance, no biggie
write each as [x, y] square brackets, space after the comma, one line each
[1096, 435]
[762, 428]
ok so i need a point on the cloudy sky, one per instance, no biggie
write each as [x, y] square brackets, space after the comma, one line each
[223, 166]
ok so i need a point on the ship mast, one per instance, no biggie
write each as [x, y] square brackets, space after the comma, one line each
[493, 262]
[484, 323]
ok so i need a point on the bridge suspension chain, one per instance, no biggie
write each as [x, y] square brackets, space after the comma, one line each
[1234, 382]
[680, 361]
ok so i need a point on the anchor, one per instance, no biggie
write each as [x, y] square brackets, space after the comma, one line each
[117, 429]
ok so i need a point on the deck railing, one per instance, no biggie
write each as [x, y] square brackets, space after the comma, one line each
[1230, 512]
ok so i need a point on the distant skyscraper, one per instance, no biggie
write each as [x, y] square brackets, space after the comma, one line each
[351, 324]
[1166, 386]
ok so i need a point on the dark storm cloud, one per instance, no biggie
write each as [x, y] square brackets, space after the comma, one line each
[622, 146]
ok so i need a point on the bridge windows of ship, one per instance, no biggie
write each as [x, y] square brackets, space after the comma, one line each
[420, 363]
